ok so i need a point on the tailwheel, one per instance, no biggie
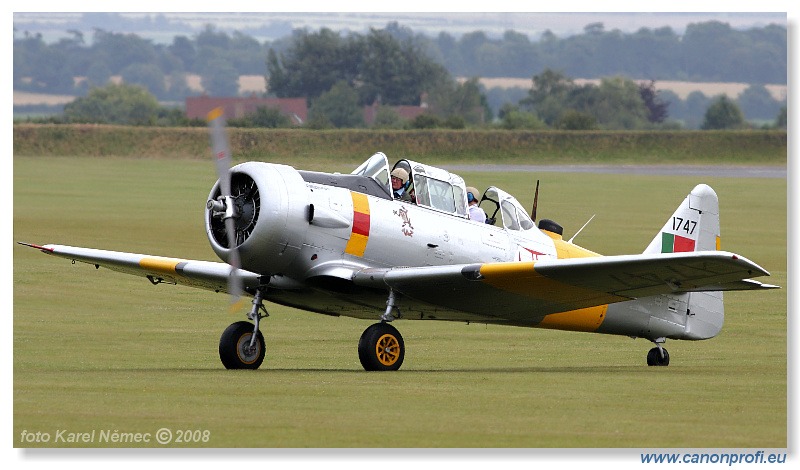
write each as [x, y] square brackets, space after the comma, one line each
[658, 356]
[237, 350]
[381, 348]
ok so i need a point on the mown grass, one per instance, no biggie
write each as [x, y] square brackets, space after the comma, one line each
[97, 350]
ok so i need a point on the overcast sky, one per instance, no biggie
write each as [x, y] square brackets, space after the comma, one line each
[446, 18]
[533, 24]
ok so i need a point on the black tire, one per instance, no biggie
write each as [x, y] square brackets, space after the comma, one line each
[381, 348]
[654, 357]
[234, 344]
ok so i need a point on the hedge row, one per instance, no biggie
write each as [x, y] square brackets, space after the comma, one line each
[472, 146]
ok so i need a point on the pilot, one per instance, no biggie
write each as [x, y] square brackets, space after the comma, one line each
[399, 180]
[475, 212]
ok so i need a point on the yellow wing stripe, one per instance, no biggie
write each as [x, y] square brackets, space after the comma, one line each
[523, 280]
[584, 319]
[569, 250]
[165, 266]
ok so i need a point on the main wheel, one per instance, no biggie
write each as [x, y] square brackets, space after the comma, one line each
[381, 348]
[654, 357]
[234, 347]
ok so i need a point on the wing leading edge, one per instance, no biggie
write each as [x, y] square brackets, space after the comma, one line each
[527, 291]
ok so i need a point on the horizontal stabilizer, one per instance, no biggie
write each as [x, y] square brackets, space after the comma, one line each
[635, 276]
[744, 284]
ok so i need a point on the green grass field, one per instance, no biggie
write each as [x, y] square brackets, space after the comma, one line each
[101, 351]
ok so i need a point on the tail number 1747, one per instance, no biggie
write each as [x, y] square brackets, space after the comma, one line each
[685, 225]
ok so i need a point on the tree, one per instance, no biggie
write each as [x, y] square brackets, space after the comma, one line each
[183, 48]
[263, 117]
[512, 118]
[723, 113]
[615, 104]
[220, 78]
[312, 64]
[98, 74]
[696, 105]
[656, 107]
[572, 120]
[387, 118]
[757, 103]
[398, 72]
[618, 105]
[209, 37]
[547, 96]
[374, 65]
[425, 121]
[464, 99]
[242, 49]
[780, 121]
[120, 50]
[114, 104]
[177, 88]
[51, 72]
[340, 106]
[148, 76]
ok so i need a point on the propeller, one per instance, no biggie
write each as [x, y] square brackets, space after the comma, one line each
[225, 205]
[535, 202]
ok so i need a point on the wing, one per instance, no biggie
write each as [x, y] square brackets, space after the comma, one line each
[520, 291]
[158, 269]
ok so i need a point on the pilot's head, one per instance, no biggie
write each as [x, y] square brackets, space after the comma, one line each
[399, 178]
[472, 195]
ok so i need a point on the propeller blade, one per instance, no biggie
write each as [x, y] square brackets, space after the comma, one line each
[221, 149]
[535, 202]
[224, 162]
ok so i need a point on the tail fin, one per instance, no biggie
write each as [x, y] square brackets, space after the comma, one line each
[693, 227]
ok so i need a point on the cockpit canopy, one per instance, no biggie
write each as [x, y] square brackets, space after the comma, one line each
[377, 168]
[443, 191]
[433, 187]
[514, 217]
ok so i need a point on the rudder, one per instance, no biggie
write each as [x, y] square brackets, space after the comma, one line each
[694, 226]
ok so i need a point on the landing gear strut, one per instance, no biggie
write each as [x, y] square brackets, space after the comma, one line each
[658, 356]
[241, 345]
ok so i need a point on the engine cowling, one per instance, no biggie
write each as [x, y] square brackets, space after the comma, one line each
[271, 203]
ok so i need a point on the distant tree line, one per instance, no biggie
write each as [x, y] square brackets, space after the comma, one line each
[340, 73]
[71, 66]
[706, 52]
[554, 101]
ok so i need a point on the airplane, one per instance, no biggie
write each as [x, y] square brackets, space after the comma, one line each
[342, 245]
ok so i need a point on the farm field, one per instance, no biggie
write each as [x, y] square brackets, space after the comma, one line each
[98, 350]
[257, 84]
